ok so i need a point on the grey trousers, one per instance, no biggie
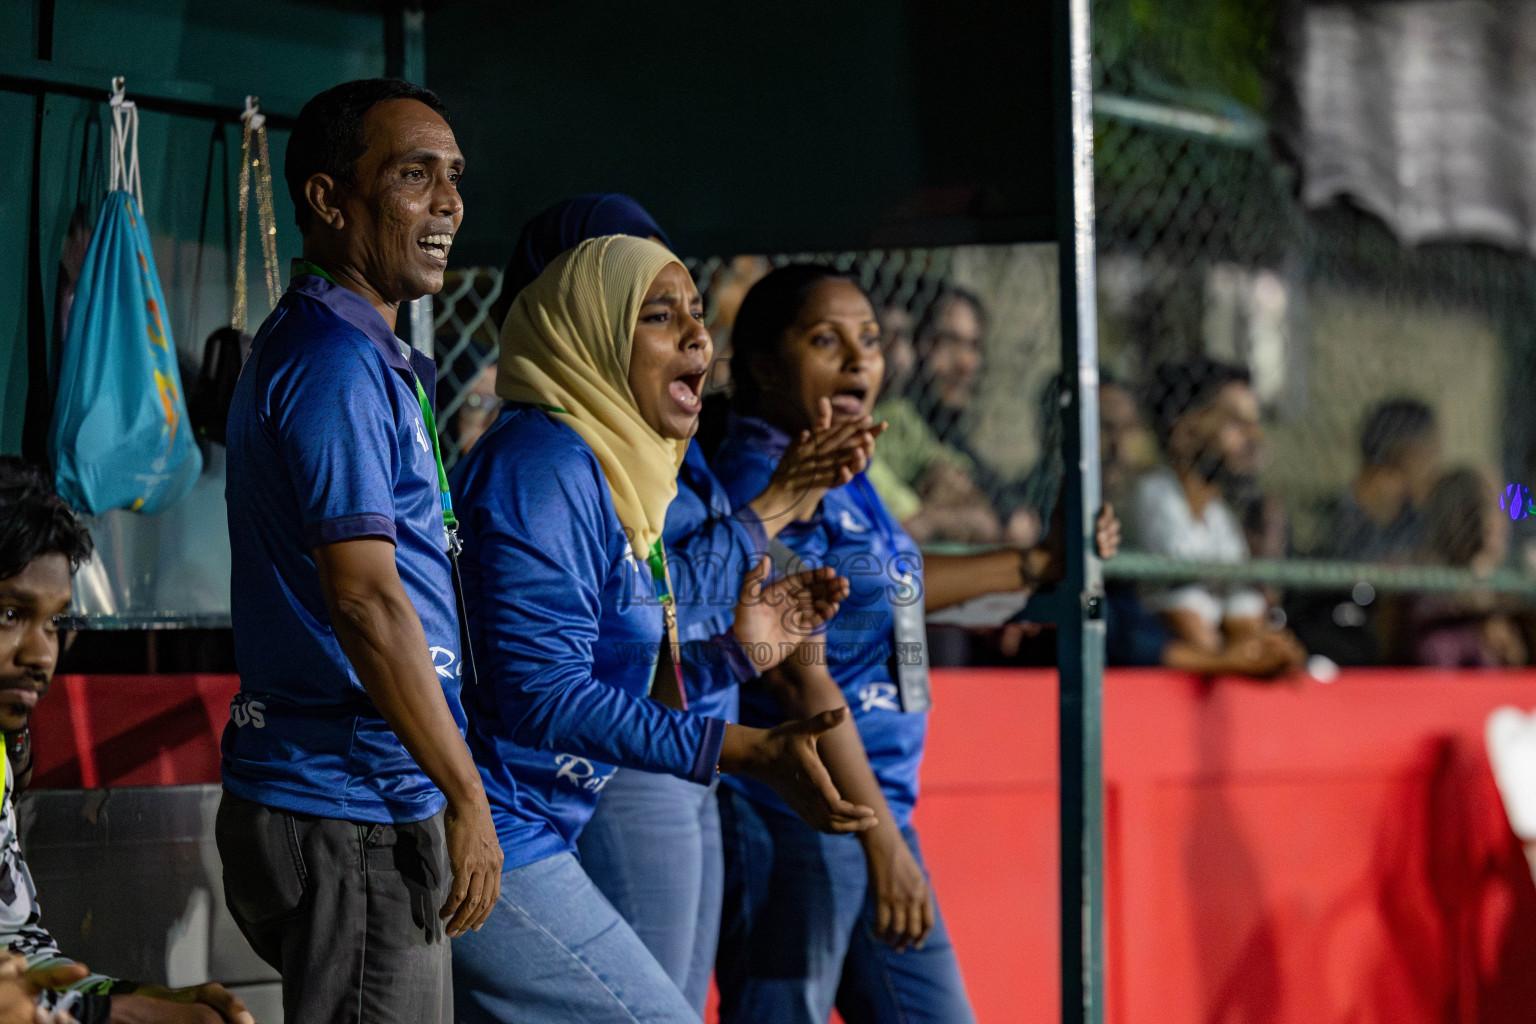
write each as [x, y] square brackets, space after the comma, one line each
[345, 911]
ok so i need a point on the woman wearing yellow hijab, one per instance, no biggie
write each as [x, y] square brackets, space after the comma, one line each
[561, 506]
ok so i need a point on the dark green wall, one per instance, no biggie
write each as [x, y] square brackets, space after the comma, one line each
[282, 51]
[765, 127]
[755, 127]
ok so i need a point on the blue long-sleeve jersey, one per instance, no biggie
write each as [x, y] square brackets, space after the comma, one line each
[564, 627]
[710, 549]
[853, 533]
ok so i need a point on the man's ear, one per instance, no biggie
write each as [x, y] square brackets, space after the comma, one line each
[323, 195]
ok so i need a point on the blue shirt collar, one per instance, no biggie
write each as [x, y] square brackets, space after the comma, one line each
[758, 434]
[359, 312]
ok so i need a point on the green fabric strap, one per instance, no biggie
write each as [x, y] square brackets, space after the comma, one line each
[658, 563]
[306, 267]
[450, 521]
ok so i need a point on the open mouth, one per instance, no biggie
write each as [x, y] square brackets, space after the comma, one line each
[687, 390]
[849, 401]
[436, 246]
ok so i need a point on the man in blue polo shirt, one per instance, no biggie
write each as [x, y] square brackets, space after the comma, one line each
[354, 830]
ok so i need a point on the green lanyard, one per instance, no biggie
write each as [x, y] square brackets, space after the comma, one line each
[658, 563]
[450, 521]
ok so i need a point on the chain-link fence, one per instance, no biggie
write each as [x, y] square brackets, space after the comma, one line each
[1305, 422]
[1381, 487]
[965, 330]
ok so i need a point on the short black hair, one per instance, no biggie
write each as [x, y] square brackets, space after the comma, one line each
[768, 311]
[35, 521]
[328, 136]
[1392, 424]
[1188, 385]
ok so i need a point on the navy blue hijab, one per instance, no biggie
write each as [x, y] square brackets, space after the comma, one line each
[564, 226]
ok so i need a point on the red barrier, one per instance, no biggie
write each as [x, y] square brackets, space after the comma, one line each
[1275, 854]
[130, 730]
[1312, 853]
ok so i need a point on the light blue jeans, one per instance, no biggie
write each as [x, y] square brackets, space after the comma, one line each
[555, 951]
[653, 848]
[799, 932]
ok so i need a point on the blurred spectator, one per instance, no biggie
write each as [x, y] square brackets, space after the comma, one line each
[1378, 518]
[948, 344]
[479, 410]
[1523, 529]
[1032, 500]
[728, 285]
[1266, 521]
[900, 360]
[1126, 446]
[1463, 526]
[896, 340]
[1136, 636]
[922, 448]
[1207, 422]
[1463, 529]
[467, 414]
[1126, 450]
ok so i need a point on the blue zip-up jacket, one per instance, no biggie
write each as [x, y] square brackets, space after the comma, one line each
[710, 549]
[564, 628]
[853, 533]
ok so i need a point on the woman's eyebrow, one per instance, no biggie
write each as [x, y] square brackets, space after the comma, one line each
[663, 297]
[834, 321]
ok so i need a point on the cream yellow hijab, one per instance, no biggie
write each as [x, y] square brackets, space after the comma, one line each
[566, 345]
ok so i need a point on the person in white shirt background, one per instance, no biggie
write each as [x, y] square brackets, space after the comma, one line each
[1206, 418]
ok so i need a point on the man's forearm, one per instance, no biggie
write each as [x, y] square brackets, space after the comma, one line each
[954, 579]
[1190, 628]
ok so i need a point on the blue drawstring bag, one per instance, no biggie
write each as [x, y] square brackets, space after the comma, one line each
[120, 436]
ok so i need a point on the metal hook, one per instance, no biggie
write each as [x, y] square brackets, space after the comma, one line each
[252, 112]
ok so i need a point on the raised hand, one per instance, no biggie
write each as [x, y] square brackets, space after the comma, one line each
[772, 619]
[816, 461]
[1106, 532]
[1106, 541]
[785, 758]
